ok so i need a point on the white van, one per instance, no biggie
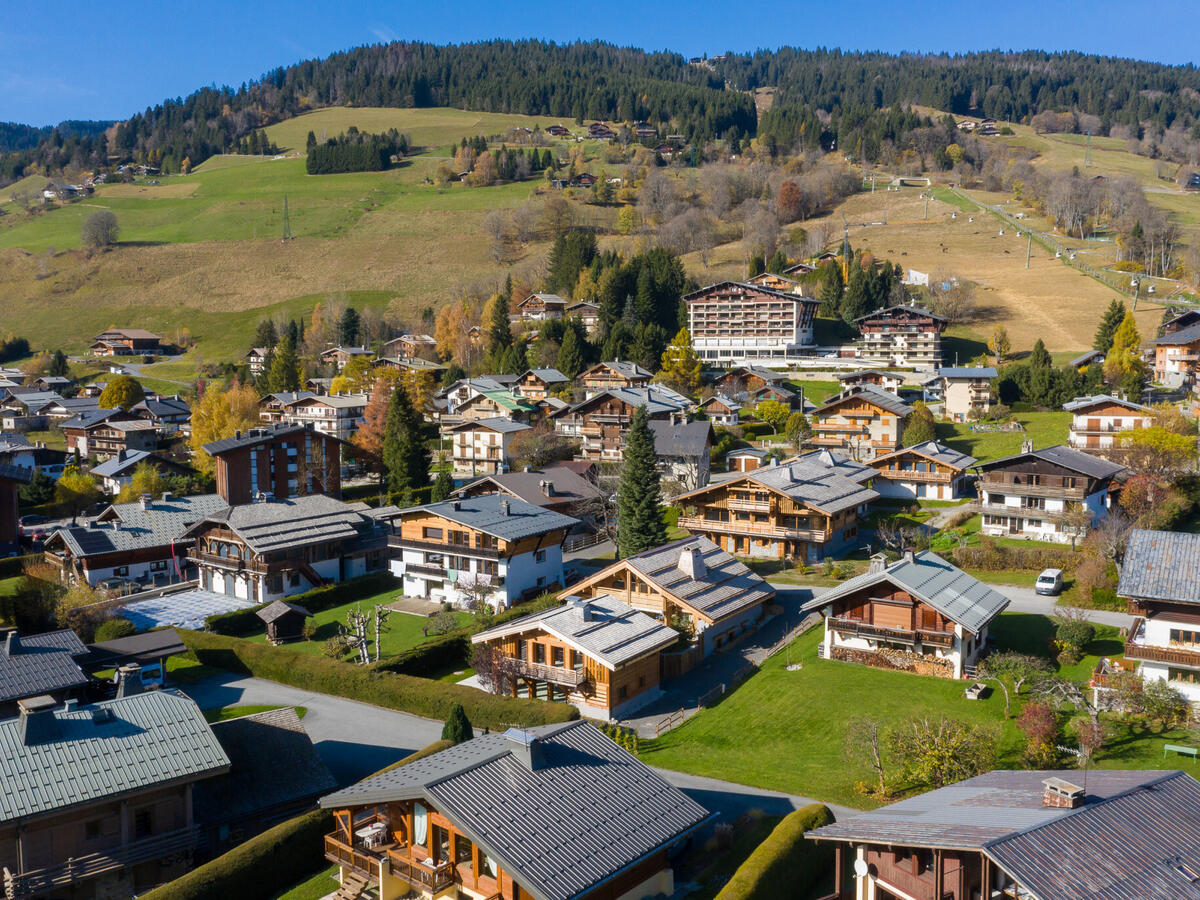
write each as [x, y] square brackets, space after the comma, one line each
[1049, 583]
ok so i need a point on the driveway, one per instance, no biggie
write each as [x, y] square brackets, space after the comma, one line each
[730, 800]
[353, 739]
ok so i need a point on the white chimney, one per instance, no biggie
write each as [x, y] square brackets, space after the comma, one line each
[144, 500]
[691, 563]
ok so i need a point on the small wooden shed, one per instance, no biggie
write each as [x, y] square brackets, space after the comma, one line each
[285, 621]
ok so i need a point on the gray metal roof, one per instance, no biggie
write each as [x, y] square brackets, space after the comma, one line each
[1084, 402]
[550, 376]
[588, 811]
[1143, 844]
[90, 417]
[872, 393]
[143, 649]
[256, 436]
[566, 486]
[164, 406]
[777, 294]
[947, 588]
[851, 376]
[602, 627]
[126, 526]
[499, 424]
[124, 461]
[657, 401]
[19, 474]
[294, 522]
[934, 450]
[813, 482]
[836, 462]
[337, 401]
[487, 513]
[902, 308]
[967, 372]
[1161, 565]
[724, 586]
[1182, 336]
[1086, 358]
[689, 440]
[40, 664]
[768, 375]
[625, 367]
[972, 813]
[281, 608]
[272, 763]
[133, 744]
[1062, 455]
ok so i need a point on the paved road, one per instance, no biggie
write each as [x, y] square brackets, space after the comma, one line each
[731, 800]
[353, 739]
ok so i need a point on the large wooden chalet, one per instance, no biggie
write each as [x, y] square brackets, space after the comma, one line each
[805, 509]
[602, 420]
[520, 815]
[617, 373]
[126, 342]
[925, 471]
[863, 422]
[902, 336]
[1099, 424]
[919, 614]
[284, 460]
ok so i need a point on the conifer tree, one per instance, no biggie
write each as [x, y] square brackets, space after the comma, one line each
[265, 335]
[1039, 358]
[285, 367]
[348, 327]
[457, 727]
[499, 331]
[1108, 325]
[443, 486]
[831, 291]
[856, 301]
[404, 456]
[570, 356]
[640, 523]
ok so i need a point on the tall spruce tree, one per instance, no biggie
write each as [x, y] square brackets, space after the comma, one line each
[285, 367]
[856, 301]
[499, 330]
[404, 455]
[265, 335]
[1039, 358]
[831, 290]
[640, 523]
[1109, 323]
[570, 355]
[348, 327]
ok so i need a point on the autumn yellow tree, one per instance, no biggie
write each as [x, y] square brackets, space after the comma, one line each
[356, 378]
[680, 365]
[453, 332]
[369, 436]
[1125, 356]
[419, 385]
[218, 414]
[146, 479]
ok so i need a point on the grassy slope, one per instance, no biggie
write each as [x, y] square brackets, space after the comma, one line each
[799, 718]
[1045, 429]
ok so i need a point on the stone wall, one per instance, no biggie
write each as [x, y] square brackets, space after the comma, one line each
[900, 660]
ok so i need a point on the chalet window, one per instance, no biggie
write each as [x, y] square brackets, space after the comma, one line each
[556, 657]
[121, 570]
[576, 660]
[143, 824]
[1182, 636]
[462, 850]
[539, 653]
[539, 556]
[522, 650]
[1191, 676]
[923, 860]
[431, 534]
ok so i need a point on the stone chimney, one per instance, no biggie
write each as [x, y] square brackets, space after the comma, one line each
[144, 500]
[547, 487]
[122, 454]
[879, 563]
[691, 563]
[12, 643]
[129, 681]
[1027, 446]
[504, 508]
[36, 724]
[526, 748]
[1060, 794]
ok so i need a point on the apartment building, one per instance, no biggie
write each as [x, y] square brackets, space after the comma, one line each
[338, 415]
[862, 422]
[901, 336]
[284, 460]
[1176, 357]
[1099, 423]
[481, 446]
[964, 392]
[734, 322]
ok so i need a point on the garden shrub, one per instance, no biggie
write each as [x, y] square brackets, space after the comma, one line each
[420, 696]
[784, 858]
[111, 629]
[992, 557]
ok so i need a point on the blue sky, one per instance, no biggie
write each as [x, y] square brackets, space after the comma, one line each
[74, 60]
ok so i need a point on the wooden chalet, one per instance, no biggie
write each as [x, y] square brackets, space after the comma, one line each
[885, 381]
[558, 487]
[558, 131]
[745, 459]
[720, 410]
[929, 470]
[256, 359]
[126, 342]
[284, 621]
[1099, 424]
[902, 336]
[457, 823]
[117, 471]
[587, 313]
[273, 549]
[691, 584]
[863, 422]
[746, 379]
[339, 356]
[104, 433]
[807, 509]
[542, 306]
[421, 346]
[775, 282]
[600, 655]
[1033, 493]
[284, 460]
[618, 373]
[538, 384]
[602, 421]
[919, 614]
[1034, 835]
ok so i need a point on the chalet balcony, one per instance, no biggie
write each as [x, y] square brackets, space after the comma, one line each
[851, 628]
[39, 881]
[1177, 655]
[749, 505]
[370, 862]
[752, 529]
[1104, 429]
[839, 427]
[552, 674]
[1024, 489]
[909, 475]
[228, 563]
[425, 571]
[397, 542]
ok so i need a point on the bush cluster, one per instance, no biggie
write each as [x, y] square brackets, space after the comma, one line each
[419, 696]
[242, 622]
[992, 557]
[785, 857]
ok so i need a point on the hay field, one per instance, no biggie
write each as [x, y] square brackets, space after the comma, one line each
[1049, 300]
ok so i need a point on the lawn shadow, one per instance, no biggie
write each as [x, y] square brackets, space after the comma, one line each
[1030, 633]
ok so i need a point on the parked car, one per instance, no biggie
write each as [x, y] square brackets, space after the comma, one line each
[32, 519]
[1049, 583]
[117, 587]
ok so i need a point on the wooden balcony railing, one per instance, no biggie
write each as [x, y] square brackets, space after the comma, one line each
[440, 547]
[749, 505]
[552, 674]
[340, 853]
[38, 881]
[419, 873]
[1023, 489]
[1174, 656]
[862, 629]
[909, 475]
[757, 529]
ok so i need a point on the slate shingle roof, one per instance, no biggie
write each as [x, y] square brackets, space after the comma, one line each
[256, 436]
[41, 664]
[293, 522]
[1161, 565]
[1084, 402]
[485, 513]
[813, 482]
[886, 400]
[281, 608]
[499, 424]
[165, 521]
[726, 586]
[566, 486]
[689, 439]
[1182, 336]
[1061, 455]
[942, 585]
[116, 465]
[933, 450]
[611, 632]
[134, 744]
[587, 812]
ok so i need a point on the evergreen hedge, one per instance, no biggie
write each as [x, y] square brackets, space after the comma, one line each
[784, 858]
[242, 622]
[279, 856]
[419, 696]
[12, 566]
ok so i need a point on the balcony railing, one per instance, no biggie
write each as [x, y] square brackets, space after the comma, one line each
[420, 874]
[909, 475]
[38, 881]
[1136, 648]
[749, 505]
[757, 529]
[427, 571]
[552, 674]
[361, 860]
[440, 547]
[903, 635]
[1023, 489]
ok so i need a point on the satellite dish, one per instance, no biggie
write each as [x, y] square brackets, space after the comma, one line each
[861, 869]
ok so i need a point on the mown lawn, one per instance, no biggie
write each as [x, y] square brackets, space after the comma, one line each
[403, 631]
[223, 713]
[1045, 429]
[314, 888]
[798, 719]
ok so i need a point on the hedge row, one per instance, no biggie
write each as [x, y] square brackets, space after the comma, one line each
[784, 858]
[419, 696]
[12, 566]
[992, 557]
[241, 622]
[279, 856]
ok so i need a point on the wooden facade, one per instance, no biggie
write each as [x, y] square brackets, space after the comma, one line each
[858, 427]
[910, 473]
[601, 424]
[901, 336]
[602, 377]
